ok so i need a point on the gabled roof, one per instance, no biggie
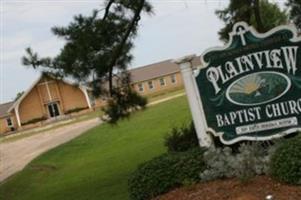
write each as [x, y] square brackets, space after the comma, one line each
[156, 70]
[33, 85]
[4, 108]
[153, 71]
[24, 94]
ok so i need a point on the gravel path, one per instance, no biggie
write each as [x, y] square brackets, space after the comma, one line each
[14, 156]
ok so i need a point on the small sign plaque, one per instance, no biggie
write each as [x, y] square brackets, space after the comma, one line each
[251, 89]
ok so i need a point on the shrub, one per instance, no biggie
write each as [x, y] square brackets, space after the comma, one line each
[181, 139]
[164, 173]
[286, 161]
[251, 159]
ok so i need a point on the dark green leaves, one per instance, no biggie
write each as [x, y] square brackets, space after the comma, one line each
[244, 10]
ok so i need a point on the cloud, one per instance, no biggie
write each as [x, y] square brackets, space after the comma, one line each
[35, 12]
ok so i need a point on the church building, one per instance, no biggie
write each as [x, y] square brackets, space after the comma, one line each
[47, 99]
[50, 99]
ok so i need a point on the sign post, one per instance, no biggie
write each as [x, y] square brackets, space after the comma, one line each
[248, 90]
[194, 101]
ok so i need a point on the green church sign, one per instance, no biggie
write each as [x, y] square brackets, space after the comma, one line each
[251, 88]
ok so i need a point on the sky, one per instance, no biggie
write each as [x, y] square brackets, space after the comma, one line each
[177, 28]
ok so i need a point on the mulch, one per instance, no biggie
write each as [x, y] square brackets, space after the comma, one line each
[257, 188]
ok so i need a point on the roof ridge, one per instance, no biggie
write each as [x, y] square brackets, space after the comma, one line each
[145, 66]
[7, 103]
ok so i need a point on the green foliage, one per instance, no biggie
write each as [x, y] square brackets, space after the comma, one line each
[270, 15]
[250, 160]
[295, 12]
[19, 94]
[164, 173]
[181, 139]
[238, 10]
[95, 44]
[123, 104]
[75, 110]
[286, 161]
[35, 120]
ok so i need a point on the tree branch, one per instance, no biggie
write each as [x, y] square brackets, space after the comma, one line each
[107, 10]
[118, 51]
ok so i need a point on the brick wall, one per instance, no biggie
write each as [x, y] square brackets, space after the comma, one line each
[157, 86]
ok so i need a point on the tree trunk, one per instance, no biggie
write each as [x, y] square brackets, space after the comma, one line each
[256, 7]
[107, 9]
[118, 51]
[111, 82]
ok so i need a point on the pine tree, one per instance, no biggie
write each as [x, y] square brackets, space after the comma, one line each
[98, 51]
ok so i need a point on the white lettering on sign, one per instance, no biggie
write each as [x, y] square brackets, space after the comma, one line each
[270, 111]
[281, 123]
[239, 116]
[284, 58]
[283, 108]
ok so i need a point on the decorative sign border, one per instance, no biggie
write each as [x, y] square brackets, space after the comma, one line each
[239, 29]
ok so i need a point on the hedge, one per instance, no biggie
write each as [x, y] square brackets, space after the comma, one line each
[166, 172]
[286, 161]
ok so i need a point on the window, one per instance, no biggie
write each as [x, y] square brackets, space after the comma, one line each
[9, 122]
[162, 81]
[140, 87]
[173, 78]
[150, 85]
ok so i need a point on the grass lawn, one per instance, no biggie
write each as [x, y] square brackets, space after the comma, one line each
[97, 164]
[162, 95]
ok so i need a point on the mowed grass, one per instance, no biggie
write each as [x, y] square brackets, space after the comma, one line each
[97, 164]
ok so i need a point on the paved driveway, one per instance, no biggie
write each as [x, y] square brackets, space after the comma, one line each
[14, 156]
